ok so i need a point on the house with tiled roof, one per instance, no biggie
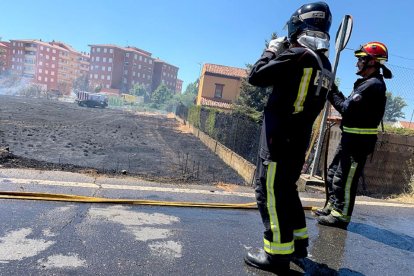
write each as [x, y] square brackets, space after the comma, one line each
[219, 85]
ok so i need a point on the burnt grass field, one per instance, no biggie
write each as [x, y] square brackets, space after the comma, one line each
[51, 135]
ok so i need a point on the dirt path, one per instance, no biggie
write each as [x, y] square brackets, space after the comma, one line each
[56, 135]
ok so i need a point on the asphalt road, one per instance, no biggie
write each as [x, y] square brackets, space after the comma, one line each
[66, 238]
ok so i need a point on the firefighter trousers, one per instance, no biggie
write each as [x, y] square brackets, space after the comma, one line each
[342, 181]
[280, 206]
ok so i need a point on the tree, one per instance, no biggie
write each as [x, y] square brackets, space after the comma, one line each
[82, 83]
[192, 88]
[252, 99]
[393, 108]
[140, 90]
[161, 95]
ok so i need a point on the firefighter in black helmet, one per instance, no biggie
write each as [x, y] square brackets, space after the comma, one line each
[361, 113]
[300, 73]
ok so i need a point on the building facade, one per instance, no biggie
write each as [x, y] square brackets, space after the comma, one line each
[5, 56]
[52, 65]
[219, 85]
[166, 74]
[179, 86]
[115, 68]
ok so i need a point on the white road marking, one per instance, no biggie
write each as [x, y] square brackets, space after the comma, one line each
[62, 261]
[178, 190]
[16, 246]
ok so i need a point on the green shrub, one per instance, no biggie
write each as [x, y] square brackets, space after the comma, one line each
[194, 115]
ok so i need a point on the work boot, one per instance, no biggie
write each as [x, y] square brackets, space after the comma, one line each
[273, 263]
[332, 221]
[324, 211]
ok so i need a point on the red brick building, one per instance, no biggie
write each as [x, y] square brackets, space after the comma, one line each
[37, 61]
[164, 73]
[119, 68]
[52, 65]
[5, 56]
[179, 86]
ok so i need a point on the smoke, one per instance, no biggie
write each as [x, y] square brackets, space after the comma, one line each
[13, 85]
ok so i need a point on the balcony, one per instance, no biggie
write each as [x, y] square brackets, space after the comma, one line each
[30, 48]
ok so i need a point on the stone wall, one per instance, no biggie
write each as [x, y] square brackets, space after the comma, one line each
[390, 169]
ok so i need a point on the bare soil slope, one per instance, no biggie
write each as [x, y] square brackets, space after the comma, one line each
[45, 134]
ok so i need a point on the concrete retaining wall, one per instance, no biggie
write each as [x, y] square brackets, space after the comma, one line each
[391, 168]
[244, 168]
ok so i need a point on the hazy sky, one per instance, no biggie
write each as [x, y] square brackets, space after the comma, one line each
[187, 33]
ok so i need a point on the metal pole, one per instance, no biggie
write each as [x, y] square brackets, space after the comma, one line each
[339, 48]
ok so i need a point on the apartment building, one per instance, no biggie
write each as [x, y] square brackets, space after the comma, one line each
[164, 73]
[5, 56]
[52, 65]
[115, 68]
[219, 85]
[179, 86]
[36, 61]
[72, 65]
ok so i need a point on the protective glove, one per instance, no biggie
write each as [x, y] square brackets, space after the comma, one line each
[278, 45]
[335, 95]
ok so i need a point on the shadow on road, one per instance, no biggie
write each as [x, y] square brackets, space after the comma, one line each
[399, 241]
[312, 268]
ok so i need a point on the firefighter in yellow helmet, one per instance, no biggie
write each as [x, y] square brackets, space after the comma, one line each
[361, 113]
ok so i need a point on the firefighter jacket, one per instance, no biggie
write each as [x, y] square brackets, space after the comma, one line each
[300, 79]
[361, 112]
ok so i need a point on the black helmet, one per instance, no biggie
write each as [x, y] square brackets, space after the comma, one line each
[310, 17]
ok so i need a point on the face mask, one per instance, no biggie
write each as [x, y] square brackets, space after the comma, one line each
[314, 40]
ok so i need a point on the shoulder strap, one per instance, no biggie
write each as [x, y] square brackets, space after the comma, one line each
[324, 72]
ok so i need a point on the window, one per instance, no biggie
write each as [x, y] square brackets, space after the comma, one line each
[218, 93]
[97, 58]
[40, 70]
[103, 68]
[108, 77]
[110, 60]
[98, 50]
[104, 59]
[52, 79]
[105, 50]
[109, 68]
[111, 50]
